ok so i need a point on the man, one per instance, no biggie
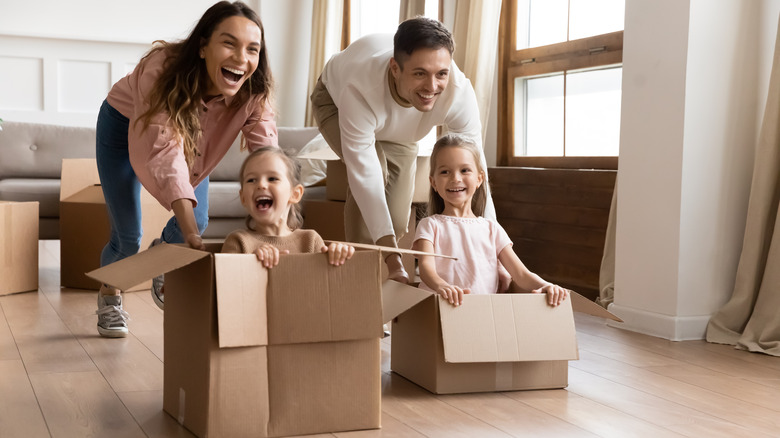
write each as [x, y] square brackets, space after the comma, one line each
[373, 102]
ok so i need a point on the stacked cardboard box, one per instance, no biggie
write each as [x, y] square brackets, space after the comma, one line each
[18, 247]
[84, 224]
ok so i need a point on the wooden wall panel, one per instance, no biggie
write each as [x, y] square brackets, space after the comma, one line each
[557, 219]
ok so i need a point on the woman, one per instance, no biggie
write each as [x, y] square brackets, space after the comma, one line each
[167, 125]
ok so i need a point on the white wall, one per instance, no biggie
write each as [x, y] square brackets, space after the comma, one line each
[692, 103]
[58, 59]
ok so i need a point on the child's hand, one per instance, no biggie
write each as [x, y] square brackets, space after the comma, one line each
[453, 294]
[338, 252]
[555, 294]
[268, 255]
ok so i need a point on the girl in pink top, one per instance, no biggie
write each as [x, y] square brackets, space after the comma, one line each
[167, 125]
[455, 227]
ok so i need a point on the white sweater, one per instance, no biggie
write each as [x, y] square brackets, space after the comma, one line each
[356, 79]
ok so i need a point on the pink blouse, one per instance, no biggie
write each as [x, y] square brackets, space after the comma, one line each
[157, 156]
[476, 242]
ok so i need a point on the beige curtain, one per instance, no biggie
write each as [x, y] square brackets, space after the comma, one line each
[325, 41]
[607, 272]
[750, 320]
[411, 9]
[476, 47]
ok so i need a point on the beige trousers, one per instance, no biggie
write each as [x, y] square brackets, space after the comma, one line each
[398, 161]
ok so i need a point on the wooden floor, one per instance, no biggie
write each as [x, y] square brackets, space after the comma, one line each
[59, 378]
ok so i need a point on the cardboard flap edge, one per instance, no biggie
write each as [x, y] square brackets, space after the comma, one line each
[583, 305]
[397, 298]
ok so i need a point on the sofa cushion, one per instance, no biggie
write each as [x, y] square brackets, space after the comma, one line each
[31, 150]
[45, 191]
[224, 200]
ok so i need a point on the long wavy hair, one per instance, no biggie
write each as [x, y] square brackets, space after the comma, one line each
[184, 80]
[294, 216]
[479, 200]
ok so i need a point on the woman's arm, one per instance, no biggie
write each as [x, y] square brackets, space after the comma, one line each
[183, 210]
[453, 294]
[528, 280]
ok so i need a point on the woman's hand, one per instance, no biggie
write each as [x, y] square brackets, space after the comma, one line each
[338, 252]
[268, 255]
[453, 294]
[195, 241]
[555, 294]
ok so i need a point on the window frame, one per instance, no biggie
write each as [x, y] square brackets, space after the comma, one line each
[600, 51]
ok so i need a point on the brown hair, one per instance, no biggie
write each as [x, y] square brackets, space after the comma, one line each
[294, 216]
[420, 33]
[478, 201]
[184, 80]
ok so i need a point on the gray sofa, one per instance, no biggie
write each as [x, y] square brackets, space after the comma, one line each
[31, 161]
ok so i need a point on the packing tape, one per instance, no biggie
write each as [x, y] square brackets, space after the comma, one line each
[504, 375]
[182, 396]
[6, 237]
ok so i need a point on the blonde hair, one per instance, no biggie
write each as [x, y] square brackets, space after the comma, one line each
[479, 200]
[184, 81]
[294, 216]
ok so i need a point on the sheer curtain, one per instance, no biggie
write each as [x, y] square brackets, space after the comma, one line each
[475, 31]
[750, 320]
[325, 41]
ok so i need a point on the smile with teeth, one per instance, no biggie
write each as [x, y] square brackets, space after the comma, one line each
[426, 96]
[263, 203]
[232, 75]
[456, 190]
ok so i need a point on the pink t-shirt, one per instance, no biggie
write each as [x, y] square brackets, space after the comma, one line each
[157, 156]
[476, 242]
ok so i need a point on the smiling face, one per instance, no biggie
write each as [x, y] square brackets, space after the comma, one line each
[267, 193]
[455, 178]
[231, 55]
[422, 77]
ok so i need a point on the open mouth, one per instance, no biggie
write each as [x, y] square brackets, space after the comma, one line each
[461, 189]
[232, 75]
[264, 203]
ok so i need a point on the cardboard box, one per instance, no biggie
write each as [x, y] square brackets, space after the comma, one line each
[18, 247]
[497, 342]
[256, 352]
[84, 224]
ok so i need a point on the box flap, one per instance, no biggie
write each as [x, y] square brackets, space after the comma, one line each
[395, 250]
[397, 298]
[242, 315]
[146, 265]
[507, 328]
[77, 173]
[583, 305]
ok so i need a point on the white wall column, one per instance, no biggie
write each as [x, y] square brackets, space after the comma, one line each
[689, 129]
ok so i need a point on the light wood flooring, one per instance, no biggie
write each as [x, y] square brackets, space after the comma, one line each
[59, 378]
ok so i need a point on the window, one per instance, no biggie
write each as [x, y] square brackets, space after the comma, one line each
[561, 83]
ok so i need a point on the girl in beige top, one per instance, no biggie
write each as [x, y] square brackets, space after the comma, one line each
[271, 192]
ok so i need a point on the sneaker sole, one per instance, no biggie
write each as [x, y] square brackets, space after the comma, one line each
[156, 298]
[112, 333]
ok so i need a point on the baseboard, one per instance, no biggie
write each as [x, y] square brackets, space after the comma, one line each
[674, 328]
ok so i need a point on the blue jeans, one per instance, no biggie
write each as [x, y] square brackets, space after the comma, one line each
[122, 191]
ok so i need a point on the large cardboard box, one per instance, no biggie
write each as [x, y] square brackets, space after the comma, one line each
[18, 247]
[257, 353]
[84, 224]
[336, 180]
[498, 342]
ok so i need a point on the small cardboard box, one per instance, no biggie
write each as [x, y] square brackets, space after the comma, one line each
[84, 224]
[19, 247]
[258, 353]
[497, 342]
[336, 182]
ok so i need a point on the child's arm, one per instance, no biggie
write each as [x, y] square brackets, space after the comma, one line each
[528, 280]
[338, 252]
[453, 294]
[268, 255]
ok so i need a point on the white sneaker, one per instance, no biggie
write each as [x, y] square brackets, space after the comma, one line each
[158, 283]
[112, 319]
